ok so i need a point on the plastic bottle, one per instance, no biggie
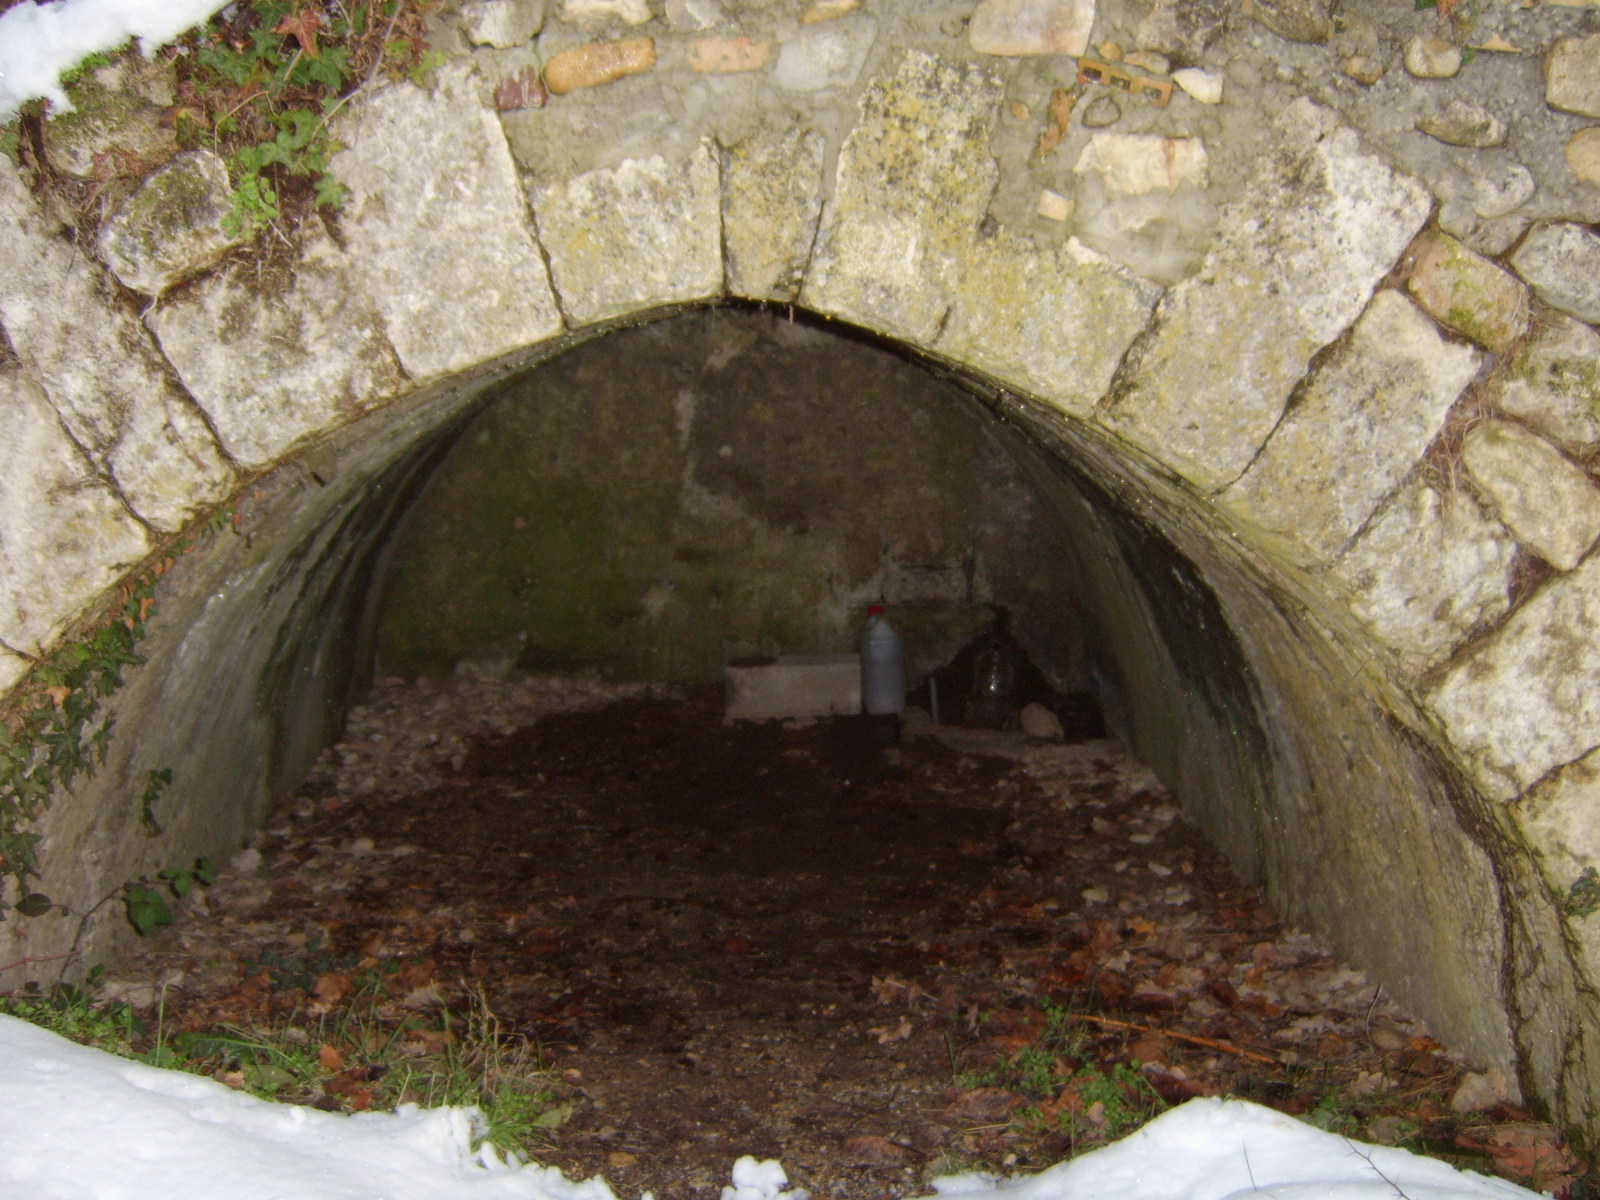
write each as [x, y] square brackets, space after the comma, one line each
[883, 666]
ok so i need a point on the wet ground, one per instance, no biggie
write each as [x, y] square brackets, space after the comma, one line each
[875, 954]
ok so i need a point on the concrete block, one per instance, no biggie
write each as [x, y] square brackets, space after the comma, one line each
[796, 685]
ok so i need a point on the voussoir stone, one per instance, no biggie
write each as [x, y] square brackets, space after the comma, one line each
[1527, 700]
[100, 370]
[772, 201]
[273, 363]
[437, 225]
[1466, 292]
[1561, 263]
[662, 219]
[1029, 27]
[1054, 321]
[64, 536]
[1293, 264]
[1360, 423]
[826, 55]
[913, 183]
[1572, 75]
[171, 227]
[1542, 496]
[1427, 569]
[1552, 384]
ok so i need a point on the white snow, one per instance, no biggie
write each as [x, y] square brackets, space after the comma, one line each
[40, 41]
[81, 1124]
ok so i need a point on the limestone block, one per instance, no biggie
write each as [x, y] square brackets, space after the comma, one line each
[101, 371]
[111, 132]
[437, 224]
[663, 220]
[1527, 700]
[1025, 27]
[771, 202]
[64, 536]
[1553, 384]
[1293, 264]
[1427, 569]
[1357, 428]
[914, 180]
[1561, 263]
[1051, 320]
[271, 364]
[829, 55]
[1561, 820]
[1542, 496]
[501, 23]
[171, 227]
[1468, 293]
[1572, 75]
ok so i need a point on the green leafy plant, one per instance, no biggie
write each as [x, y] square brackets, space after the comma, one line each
[146, 903]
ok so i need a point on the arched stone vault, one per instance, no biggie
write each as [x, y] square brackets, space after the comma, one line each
[1334, 659]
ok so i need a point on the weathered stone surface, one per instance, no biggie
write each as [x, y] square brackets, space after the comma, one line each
[1100, 112]
[1427, 569]
[1296, 20]
[272, 364]
[1561, 820]
[1561, 263]
[171, 228]
[1183, 28]
[501, 23]
[1363, 68]
[663, 219]
[1468, 293]
[772, 201]
[110, 133]
[437, 222]
[914, 180]
[828, 55]
[724, 55]
[1464, 123]
[1583, 154]
[1355, 430]
[1053, 206]
[1136, 164]
[827, 10]
[1553, 385]
[1501, 190]
[1543, 497]
[595, 63]
[1528, 699]
[64, 536]
[1572, 75]
[1026, 27]
[1432, 58]
[1148, 61]
[100, 370]
[523, 89]
[12, 668]
[1321, 223]
[630, 12]
[695, 14]
[1204, 86]
[1053, 321]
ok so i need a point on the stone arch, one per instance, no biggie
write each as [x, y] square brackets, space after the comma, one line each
[1380, 725]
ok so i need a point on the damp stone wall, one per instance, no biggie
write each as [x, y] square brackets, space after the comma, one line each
[1303, 300]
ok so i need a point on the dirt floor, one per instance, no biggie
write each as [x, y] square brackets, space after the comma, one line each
[877, 954]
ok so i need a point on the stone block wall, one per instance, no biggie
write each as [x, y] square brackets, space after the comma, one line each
[1309, 304]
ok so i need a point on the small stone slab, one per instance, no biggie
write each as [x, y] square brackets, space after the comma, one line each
[1553, 385]
[828, 55]
[771, 203]
[100, 370]
[1466, 292]
[1429, 568]
[1561, 263]
[1137, 164]
[728, 55]
[271, 364]
[437, 221]
[1544, 497]
[1295, 20]
[171, 227]
[1293, 264]
[664, 220]
[1572, 75]
[1356, 429]
[1016, 28]
[1054, 321]
[913, 184]
[64, 536]
[501, 23]
[1527, 700]
[110, 133]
